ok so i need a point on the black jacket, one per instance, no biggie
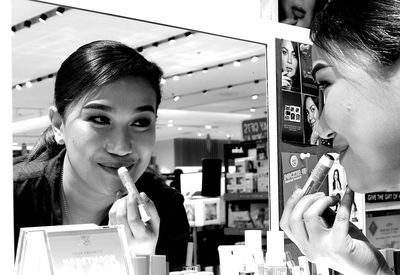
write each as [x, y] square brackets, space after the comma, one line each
[37, 202]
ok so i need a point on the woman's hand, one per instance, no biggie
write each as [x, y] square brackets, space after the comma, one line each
[286, 81]
[142, 237]
[314, 138]
[333, 246]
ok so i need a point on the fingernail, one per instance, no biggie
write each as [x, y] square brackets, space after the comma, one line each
[144, 197]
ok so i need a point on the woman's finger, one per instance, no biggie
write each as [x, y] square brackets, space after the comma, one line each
[313, 220]
[154, 223]
[134, 221]
[296, 222]
[343, 214]
[287, 211]
[113, 212]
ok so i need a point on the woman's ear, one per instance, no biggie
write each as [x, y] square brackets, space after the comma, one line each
[57, 125]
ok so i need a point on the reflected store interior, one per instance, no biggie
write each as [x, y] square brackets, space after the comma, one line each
[211, 85]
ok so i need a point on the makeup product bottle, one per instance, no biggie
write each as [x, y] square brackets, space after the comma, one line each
[275, 263]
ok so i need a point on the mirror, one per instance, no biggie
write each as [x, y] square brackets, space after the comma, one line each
[211, 83]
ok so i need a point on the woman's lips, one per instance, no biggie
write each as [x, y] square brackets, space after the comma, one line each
[298, 12]
[113, 168]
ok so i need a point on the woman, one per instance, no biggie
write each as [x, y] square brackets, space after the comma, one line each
[356, 58]
[290, 66]
[106, 100]
[312, 115]
[299, 13]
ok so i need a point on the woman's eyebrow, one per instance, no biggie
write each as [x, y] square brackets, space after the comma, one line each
[102, 107]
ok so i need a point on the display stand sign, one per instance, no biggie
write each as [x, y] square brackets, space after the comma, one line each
[73, 249]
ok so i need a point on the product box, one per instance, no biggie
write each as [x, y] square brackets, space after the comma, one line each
[259, 215]
[262, 176]
[202, 211]
[236, 183]
[246, 165]
[250, 183]
[383, 228]
[239, 215]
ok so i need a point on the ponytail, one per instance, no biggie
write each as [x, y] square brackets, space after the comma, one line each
[46, 147]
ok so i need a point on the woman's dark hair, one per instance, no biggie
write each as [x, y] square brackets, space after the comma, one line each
[86, 70]
[371, 26]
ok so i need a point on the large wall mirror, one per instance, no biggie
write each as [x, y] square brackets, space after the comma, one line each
[211, 83]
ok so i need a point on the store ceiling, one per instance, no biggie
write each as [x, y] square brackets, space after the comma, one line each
[39, 50]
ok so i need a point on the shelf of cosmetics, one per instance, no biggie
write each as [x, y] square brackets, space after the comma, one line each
[251, 175]
[242, 213]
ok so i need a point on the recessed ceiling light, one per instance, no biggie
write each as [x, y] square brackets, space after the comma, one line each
[170, 124]
[28, 84]
[175, 77]
[254, 97]
[171, 41]
[252, 109]
[177, 97]
[18, 87]
[199, 134]
[208, 126]
[180, 128]
[236, 63]
[254, 59]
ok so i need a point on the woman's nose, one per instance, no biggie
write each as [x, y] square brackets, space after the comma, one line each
[289, 59]
[323, 129]
[120, 144]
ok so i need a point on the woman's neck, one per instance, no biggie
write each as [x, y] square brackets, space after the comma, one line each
[82, 204]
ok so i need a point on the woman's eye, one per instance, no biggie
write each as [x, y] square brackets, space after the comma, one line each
[144, 122]
[99, 120]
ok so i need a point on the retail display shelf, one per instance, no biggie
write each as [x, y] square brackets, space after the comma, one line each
[246, 196]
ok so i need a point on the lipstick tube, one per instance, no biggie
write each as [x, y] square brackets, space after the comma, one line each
[318, 174]
[127, 181]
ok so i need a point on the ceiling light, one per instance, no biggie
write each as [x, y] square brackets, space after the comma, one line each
[199, 134]
[27, 24]
[189, 73]
[175, 77]
[189, 35]
[28, 84]
[170, 121]
[176, 98]
[208, 127]
[163, 81]
[205, 70]
[254, 59]
[170, 124]
[171, 41]
[228, 135]
[180, 128]
[252, 109]
[43, 18]
[18, 87]
[254, 97]
[60, 11]
[236, 63]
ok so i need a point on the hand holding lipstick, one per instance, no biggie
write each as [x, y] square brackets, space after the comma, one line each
[139, 216]
[336, 245]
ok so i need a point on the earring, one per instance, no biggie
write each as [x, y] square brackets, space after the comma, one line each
[59, 139]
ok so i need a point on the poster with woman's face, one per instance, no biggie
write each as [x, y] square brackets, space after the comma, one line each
[311, 112]
[299, 12]
[290, 66]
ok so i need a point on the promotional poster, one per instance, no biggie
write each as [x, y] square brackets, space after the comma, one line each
[383, 228]
[296, 171]
[292, 126]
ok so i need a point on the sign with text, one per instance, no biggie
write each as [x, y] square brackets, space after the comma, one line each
[74, 250]
[255, 129]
